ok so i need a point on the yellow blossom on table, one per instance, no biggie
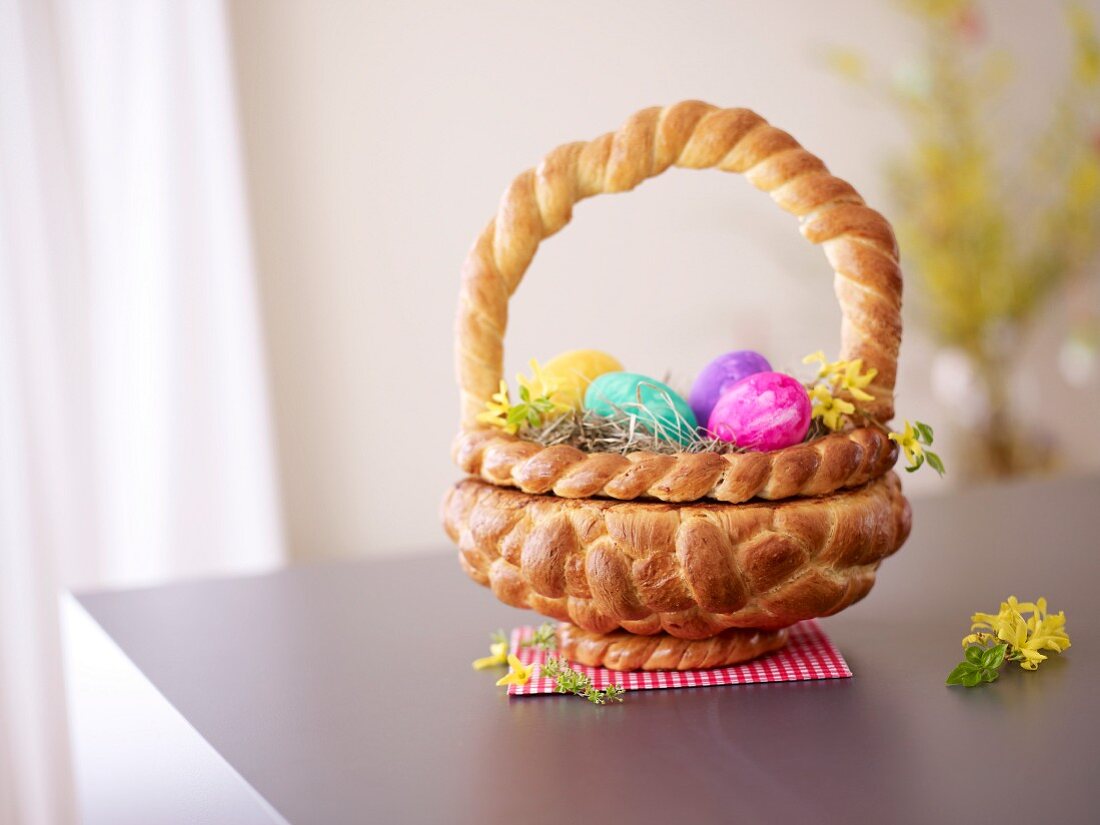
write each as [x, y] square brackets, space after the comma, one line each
[912, 448]
[498, 656]
[1040, 631]
[520, 674]
[496, 409]
[853, 379]
[1046, 633]
[829, 408]
[994, 622]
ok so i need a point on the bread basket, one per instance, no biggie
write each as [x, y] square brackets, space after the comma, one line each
[693, 546]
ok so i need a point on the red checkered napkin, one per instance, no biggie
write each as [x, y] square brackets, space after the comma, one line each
[808, 655]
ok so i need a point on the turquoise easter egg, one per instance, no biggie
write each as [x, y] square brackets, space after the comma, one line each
[656, 406]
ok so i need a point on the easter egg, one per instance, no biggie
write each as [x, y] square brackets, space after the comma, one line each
[721, 374]
[572, 372]
[765, 411]
[656, 406]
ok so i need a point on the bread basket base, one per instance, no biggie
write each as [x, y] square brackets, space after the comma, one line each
[620, 650]
[689, 570]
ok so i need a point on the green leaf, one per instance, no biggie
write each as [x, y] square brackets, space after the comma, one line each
[524, 394]
[955, 677]
[567, 680]
[912, 468]
[972, 678]
[924, 432]
[975, 655]
[989, 675]
[994, 657]
[934, 462]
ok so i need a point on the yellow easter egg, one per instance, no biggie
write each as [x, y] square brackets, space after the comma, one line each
[572, 372]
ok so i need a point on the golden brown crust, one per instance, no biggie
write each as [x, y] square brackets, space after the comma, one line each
[858, 241]
[837, 461]
[689, 570]
[623, 651]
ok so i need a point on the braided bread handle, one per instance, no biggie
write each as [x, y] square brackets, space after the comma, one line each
[857, 240]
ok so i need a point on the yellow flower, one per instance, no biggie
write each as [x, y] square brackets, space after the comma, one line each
[828, 408]
[826, 368]
[913, 449]
[496, 411]
[1044, 633]
[846, 376]
[499, 656]
[520, 674]
[853, 380]
[536, 385]
[540, 386]
[1026, 636]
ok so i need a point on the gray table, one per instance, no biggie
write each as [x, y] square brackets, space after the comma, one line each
[339, 693]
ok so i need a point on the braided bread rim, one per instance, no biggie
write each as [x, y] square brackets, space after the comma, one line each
[623, 651]
[837, 461]
[704, 568]
[858, 241]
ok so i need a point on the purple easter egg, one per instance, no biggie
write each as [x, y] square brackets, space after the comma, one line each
[766, 411]
[721, 374]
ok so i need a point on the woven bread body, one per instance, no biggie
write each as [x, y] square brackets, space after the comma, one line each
[689, 570]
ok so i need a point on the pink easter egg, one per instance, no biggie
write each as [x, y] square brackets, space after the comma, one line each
[764, 411]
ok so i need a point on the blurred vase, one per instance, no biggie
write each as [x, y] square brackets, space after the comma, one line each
[989, 402]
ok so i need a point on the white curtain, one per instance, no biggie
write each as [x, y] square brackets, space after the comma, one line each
[135, 441]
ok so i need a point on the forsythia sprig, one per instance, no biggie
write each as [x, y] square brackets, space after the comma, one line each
[834, 377]
[536, 403]
[837, 379]
[913, 441]
[1008, 636]
[567, 680]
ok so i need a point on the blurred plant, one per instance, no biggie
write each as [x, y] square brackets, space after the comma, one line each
[498, 652]
[543, 637]
[993, 229]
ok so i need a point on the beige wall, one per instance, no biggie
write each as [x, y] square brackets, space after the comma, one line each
[380, 135]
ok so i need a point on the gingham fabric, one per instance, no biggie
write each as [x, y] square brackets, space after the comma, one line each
[808, 655]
